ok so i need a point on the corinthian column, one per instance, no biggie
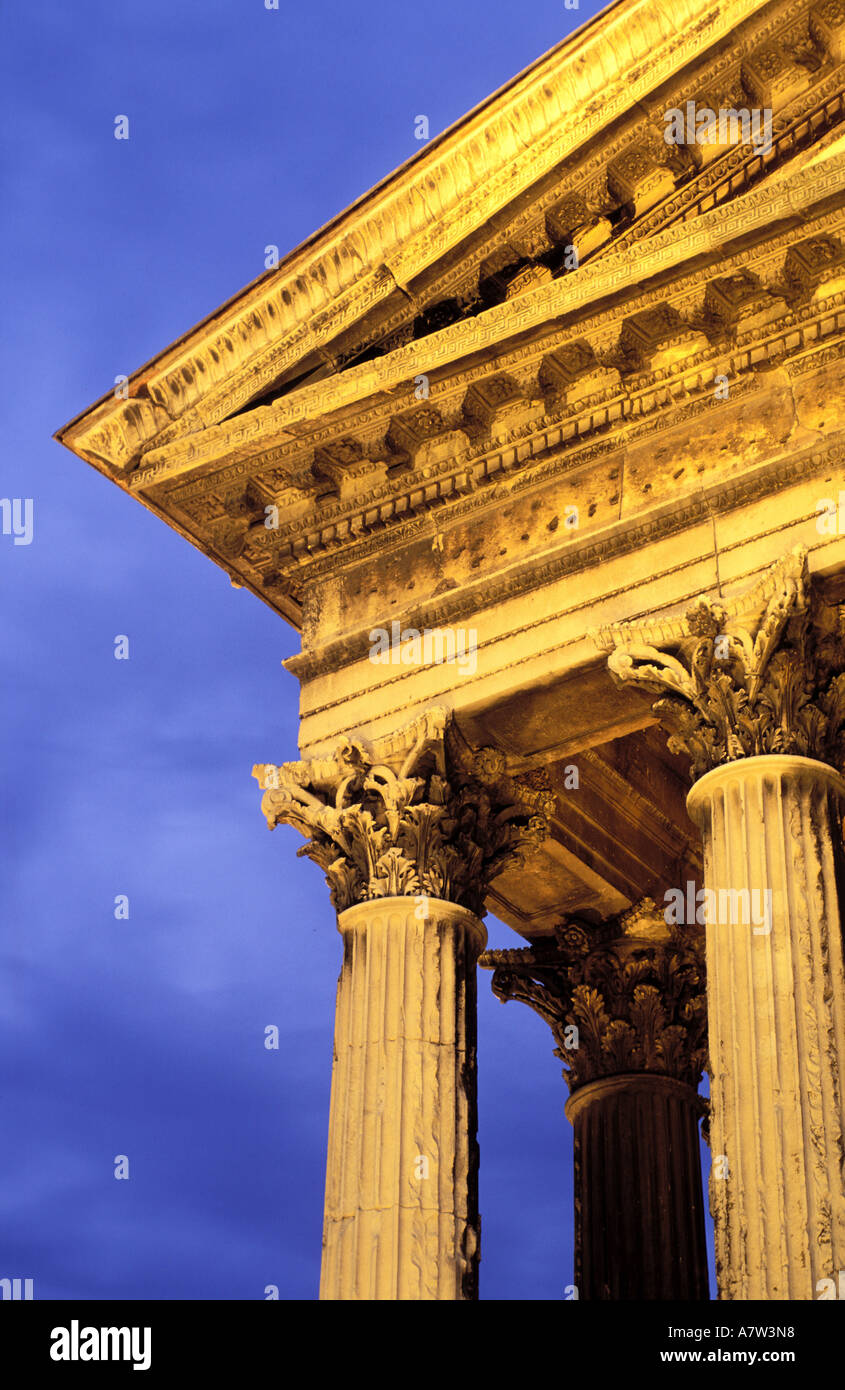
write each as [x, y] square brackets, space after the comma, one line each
[409, 833]
[754, 696]
[625, 1002]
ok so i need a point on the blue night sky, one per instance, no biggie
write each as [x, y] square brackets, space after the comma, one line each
[145, 1036]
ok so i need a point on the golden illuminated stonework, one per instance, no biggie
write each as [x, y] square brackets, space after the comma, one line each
[541, 449]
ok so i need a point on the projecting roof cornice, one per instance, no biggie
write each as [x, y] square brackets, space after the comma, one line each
[280, 326]
[294, 417]
[354, 467]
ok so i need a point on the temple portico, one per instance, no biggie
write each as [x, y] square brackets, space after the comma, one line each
[540, 447]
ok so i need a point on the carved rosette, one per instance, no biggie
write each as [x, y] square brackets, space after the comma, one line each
[633, 988]
[419, 813]
[758, 675]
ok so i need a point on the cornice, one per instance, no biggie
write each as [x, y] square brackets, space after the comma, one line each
[286, 421]
[472, 476]
[523, 229]
[405, 224]
[608, 421]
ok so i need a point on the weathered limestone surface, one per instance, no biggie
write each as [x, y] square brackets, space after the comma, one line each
[401, 1218]
[410, 833]
[772, 826]
[754, 695]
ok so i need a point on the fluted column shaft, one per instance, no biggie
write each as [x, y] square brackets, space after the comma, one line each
[409, 830]
[639, 1205]
[401, 1215]
[776, 1011]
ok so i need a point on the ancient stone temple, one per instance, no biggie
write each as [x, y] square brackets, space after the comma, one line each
[540, 447]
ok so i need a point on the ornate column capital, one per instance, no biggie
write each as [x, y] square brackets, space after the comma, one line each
[633, 988]
[417, 813]
[755, 675]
